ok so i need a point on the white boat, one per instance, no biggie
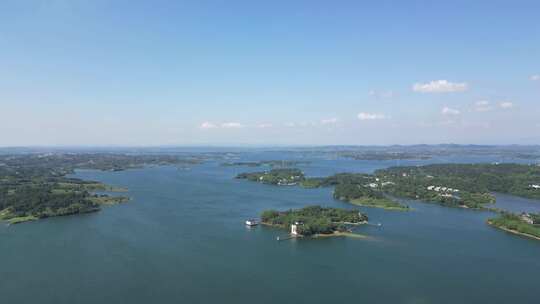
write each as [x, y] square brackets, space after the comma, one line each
[252, 222]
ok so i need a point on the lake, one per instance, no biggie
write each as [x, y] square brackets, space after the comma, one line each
[182, 239]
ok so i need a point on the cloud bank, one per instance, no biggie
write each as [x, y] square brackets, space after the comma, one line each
[370, 116]
[449, 111]
[440, 86]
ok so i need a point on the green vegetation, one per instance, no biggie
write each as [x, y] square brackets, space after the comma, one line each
[452, 185]
[21, 219]
[512, 179]
[35, 186]
[535, 218]
[310, 183]
[281, 177]
[516, 224]
[356, 188]
[340, 178]
[365, 195]
[314, 219]
[383, 203]
[104, 199]
[461, 185]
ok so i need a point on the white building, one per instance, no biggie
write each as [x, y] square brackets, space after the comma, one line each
[527, 218]
[294, 228]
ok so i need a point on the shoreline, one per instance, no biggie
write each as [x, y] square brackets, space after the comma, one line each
[320, 235]
[341, 234]
[490, 223]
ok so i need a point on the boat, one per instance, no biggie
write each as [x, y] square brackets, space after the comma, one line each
[251, 222]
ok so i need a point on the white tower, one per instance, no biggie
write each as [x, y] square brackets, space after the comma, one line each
[294, 228]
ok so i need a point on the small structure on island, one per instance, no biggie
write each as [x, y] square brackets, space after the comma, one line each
[251, 222]
[294, 228]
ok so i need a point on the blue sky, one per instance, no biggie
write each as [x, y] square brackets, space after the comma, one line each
[269, 72]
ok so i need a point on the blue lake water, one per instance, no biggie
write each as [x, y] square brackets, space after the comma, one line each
[182, 240]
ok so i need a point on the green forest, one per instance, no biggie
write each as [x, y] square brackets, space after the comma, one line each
[34, 186]
[452, 185]
[512, 179]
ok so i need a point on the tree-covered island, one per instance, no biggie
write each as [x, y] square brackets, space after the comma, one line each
[315, 220]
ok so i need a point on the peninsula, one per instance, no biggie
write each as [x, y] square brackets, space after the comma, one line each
[524, 224]
[279, 177]
[35, 185]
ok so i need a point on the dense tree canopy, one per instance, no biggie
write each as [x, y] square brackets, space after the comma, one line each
[314, 219]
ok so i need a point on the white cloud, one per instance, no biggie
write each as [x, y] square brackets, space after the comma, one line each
[449, 111]
[264, 125]
[381, 94]
[535, 77]
[232, 125]
[329, 121]
[440, 86]
[225, 125]
[370, 116]
[290, 125]
[506, 105]
[447, 122]
[208, 125]
[482, 106]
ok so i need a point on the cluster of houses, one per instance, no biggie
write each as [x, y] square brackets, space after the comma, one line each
[291, 181]
[444, 191]
[441, 189]
[537, 187]
[376, 185]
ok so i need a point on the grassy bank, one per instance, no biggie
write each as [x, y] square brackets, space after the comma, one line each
[383, 203]
[22, 219]
[341, 234]
[109, 200]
